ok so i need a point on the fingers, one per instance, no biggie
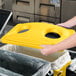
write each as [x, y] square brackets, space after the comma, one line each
[64, 25]
[48, 49]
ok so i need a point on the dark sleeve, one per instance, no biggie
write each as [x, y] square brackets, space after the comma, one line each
[74, 28]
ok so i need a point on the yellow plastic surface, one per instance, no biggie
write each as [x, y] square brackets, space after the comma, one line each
[62, 71]
[35, 36]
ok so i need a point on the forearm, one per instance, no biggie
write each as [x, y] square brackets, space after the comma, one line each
[69, 23]
[68, 43]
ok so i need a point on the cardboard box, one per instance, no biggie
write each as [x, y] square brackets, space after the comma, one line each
[47, 9]
[15, 1]
[24, 6]
[57, 12]
[46, 13]
[45, 1]
[39, 18]
[37, 6]
[21, 17]
[44, 9]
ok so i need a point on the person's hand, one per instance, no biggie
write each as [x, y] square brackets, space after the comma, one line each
[48, 49]
[70, 23]
[66, 25]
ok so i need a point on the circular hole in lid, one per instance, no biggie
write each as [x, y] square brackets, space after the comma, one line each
[22, 31]
[52, 35]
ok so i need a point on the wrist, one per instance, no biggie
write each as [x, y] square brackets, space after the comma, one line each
[66, 24]
[56, 47]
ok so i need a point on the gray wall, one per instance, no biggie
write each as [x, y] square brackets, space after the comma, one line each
[68, 9]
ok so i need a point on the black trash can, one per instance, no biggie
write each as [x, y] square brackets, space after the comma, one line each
[23, 65]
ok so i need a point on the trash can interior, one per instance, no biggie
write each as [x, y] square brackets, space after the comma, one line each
[20, 63]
